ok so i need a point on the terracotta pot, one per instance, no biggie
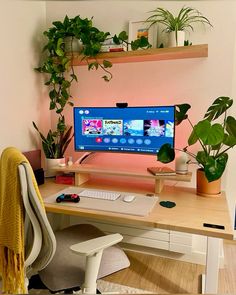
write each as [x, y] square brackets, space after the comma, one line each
[205, 188]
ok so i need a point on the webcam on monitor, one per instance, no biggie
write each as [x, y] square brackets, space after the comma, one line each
[122, 105]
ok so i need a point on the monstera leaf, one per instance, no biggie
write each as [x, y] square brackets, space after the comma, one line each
[166, 153]
[219, 106]
[231, 129]
[213, 167]
[181, 112]
[207, 133]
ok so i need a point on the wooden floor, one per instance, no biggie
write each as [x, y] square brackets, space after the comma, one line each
[162, 275]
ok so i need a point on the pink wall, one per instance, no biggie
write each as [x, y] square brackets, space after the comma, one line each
[127, 85]
[197, 81]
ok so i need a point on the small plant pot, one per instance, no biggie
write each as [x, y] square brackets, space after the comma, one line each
[50, 163]
[181, 163]
[205, 188]
[73, 44]
[176, 39]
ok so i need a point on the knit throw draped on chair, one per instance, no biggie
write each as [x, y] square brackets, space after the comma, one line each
[12, 222]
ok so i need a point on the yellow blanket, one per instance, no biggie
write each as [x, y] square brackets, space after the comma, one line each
[12, 222]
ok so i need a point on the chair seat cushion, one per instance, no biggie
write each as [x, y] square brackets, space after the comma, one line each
[67, 269]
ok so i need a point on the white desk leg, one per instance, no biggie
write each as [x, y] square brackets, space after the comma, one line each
[210, 280]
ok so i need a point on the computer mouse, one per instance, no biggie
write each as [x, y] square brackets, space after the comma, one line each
[128, 198]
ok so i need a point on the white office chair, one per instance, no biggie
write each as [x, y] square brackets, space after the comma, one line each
[59, 266]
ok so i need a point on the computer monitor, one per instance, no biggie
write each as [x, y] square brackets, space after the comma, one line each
[126, 130]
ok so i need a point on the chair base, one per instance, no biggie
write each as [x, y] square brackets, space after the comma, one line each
[36, 283]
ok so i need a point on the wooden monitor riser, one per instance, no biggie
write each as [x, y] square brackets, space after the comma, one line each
[83, 172]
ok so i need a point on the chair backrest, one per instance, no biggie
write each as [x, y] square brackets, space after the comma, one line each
[40, 242]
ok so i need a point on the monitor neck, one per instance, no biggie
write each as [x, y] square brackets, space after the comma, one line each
[84, 157]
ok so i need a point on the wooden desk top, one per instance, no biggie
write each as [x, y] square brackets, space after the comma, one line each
[189, 214]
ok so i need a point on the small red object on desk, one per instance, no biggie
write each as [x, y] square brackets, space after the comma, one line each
[65, 179]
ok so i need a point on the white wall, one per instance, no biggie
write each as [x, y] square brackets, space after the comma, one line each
[21, 24]
[197, 81]
[230, 181]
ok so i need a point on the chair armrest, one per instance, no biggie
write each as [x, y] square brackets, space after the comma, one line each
[93, 246]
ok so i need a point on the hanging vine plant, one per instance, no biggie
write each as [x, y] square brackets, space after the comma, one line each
[60, 71]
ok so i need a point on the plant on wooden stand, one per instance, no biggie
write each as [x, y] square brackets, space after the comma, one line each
[215, 137]
[177, 25]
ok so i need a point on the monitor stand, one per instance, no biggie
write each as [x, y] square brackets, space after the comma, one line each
[84, 171]
[84, 157]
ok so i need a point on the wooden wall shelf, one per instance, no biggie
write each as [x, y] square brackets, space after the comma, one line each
[153, 54]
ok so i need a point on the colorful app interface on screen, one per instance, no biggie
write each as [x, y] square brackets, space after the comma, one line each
[132, 129]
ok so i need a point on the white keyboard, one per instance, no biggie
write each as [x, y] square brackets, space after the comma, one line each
[103, 195]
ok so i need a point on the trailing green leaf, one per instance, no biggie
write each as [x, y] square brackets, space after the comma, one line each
[61, 74]
[140, 43]
[59, 50]
[107, 64]
[106, 78]
[93, 65]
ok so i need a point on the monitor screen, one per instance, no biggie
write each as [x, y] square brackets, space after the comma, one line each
[130, 130]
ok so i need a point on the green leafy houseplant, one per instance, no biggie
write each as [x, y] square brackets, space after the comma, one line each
[55, 143]
[141, 42]
[185, 19]
[60, 74]
[216, 134]
[60, 71]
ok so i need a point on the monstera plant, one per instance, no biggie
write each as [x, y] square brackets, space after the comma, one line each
[215, 133]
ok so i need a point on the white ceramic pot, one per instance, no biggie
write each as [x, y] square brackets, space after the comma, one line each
[73, 44]
[50, 163]
[176, 39]
[181, 163]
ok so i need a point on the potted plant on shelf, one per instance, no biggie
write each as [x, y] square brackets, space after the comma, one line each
[215, 137]
[54, 146]
[60, 75]
[122, 38]
[58, 66]
[176, 26]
